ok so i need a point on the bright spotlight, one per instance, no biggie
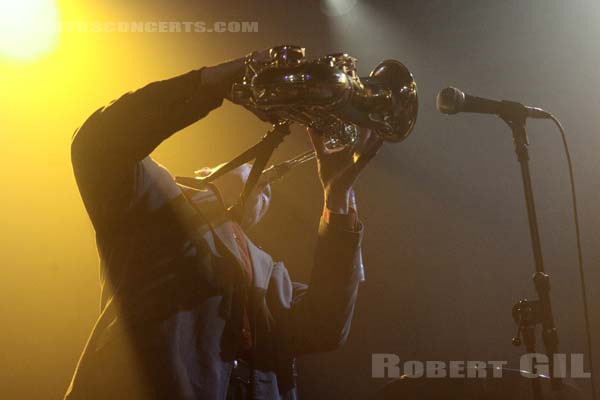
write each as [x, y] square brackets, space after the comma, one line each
[337, 8]
[28, 28]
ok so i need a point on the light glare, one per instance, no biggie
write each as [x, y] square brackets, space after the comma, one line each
[337, 8]
[28, 28]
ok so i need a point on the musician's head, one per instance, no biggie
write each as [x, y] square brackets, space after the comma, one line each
[231, 186]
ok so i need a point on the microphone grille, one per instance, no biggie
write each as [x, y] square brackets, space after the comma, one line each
[450, 100]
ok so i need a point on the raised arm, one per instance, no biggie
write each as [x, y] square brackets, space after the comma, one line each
[109, 150]
[319, 316]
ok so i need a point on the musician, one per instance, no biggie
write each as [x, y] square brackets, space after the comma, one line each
[190, 307]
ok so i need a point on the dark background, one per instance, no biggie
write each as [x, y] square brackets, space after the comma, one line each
[446, 244]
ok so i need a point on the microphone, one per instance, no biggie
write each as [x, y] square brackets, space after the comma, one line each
[452, 101]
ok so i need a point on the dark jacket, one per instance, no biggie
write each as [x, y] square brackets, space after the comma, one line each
[170, 311]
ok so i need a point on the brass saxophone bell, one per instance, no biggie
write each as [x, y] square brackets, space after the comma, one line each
[326, 94]
[397, 115]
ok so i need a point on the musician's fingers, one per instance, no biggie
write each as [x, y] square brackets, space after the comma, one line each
[317, 141]
[363, 137]
[374, 144]
[371, 140]
[363, 159]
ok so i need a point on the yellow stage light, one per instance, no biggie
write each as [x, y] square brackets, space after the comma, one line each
[28, 28]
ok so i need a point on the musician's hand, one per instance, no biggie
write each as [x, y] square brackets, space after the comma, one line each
[262, 56]
[339, 169]
[221, 77]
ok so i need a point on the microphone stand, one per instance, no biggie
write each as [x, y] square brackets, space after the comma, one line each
[527, 313]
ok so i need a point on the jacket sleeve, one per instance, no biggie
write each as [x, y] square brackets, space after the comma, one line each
[108, 151]
[319, 315]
